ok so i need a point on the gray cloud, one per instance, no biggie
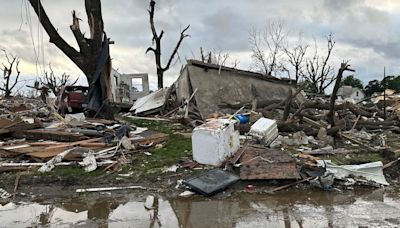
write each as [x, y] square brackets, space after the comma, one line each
[366, 30]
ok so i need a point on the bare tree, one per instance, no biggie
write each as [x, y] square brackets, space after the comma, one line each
[93, 57]
[157, 51]
[319, 73]
[8, 84]
[44, 90]
[273, 37]
[56, 83]
[296, 59]
[219, 58]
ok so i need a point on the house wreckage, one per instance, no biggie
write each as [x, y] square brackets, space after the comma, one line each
[245, 127]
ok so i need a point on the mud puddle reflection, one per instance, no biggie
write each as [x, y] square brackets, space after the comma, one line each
[286, 209]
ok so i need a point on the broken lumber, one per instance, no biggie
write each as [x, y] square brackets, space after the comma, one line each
[5, 164]
[290, 185]
[51, 163]
[49, 135]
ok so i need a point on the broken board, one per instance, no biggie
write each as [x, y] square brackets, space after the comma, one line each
[211, 182]
[267, 164]
[49, 135]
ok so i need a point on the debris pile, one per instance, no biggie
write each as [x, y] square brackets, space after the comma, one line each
[289, 157]
[294, 140]
[32, 137]
[264, 129]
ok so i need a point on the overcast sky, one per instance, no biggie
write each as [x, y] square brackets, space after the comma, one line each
[366, 31]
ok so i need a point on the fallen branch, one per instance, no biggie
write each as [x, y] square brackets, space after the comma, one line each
[17, 178]
[390, 163]
[353, 140]
[290, 185]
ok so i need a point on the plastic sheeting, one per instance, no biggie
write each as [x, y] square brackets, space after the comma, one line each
[372, 171]
[97, 89]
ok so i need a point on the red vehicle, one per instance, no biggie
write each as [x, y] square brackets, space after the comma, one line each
[72, 99]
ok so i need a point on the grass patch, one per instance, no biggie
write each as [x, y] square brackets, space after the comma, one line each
[160, 126]
[176, 147]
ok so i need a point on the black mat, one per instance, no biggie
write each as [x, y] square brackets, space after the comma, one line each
[211, 182]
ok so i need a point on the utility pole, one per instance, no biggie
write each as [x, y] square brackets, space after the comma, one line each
[384, 92]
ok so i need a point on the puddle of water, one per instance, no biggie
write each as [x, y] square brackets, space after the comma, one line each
[285, 209]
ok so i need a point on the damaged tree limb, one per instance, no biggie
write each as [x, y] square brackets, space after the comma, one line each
[343, 67]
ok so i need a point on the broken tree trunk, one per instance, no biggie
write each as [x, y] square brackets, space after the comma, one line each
[286, 112]
[343, 67]
[93, 57]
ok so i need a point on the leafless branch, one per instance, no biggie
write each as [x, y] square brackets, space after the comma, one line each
[320, 74]
[272, 40]
[296, 58]
[9, 83]
[56, 83]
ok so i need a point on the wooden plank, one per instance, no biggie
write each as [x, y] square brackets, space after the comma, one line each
[64, 147]
[290, 184]
[4, 131]
[49, 135]
[47, 143]
[22, 126]
[101, 121]
[51, 144]
[44, 151]
[7, 153]
[156, 138]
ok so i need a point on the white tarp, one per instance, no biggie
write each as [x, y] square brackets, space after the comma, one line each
[372, 171]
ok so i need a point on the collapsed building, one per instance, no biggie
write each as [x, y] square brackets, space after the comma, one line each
[209, 88]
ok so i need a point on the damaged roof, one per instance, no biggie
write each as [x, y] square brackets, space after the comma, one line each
[204, 65]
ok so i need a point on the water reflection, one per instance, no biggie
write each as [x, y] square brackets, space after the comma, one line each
[285, 209]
